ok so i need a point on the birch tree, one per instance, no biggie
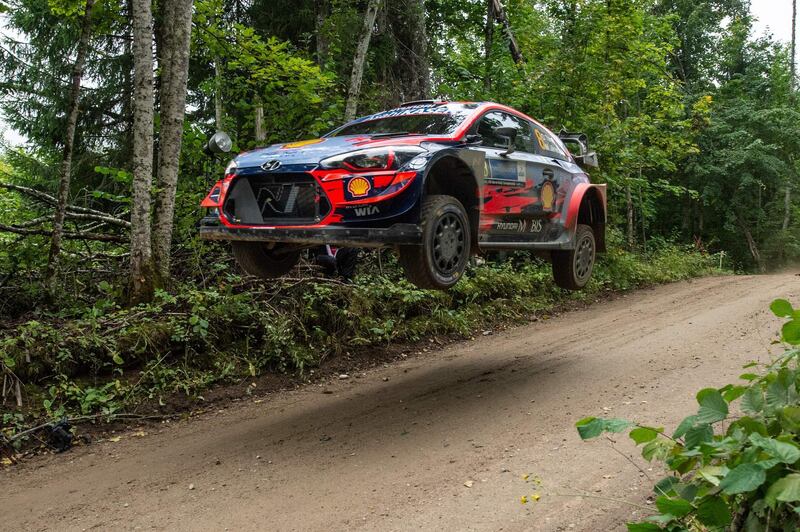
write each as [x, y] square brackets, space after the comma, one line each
[141, 261]
[174, 74]
[360, 59]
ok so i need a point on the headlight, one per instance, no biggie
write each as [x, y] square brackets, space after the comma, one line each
[371, 159]
[231, 168]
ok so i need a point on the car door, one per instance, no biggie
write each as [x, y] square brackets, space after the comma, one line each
[552, 183]
[508, 197]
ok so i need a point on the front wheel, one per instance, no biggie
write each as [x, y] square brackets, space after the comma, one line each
[572, 268]
[441, 259]
[265, 260]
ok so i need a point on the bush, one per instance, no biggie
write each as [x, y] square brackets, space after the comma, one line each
[728, 470]
[237, 327]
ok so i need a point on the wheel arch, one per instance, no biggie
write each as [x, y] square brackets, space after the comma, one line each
[588, 206]
[450, 175]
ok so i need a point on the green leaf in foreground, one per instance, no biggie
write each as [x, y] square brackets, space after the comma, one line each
[675, 507]
[781, 308]
[684, 426]
[791, 332]
[786, 489]
[592, 427]
[713, 407]
[644, 434]
[714, 512]
[785, 452]
[742, 479]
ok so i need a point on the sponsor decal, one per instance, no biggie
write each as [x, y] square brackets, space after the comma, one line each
[522, 167]
[302, 143]
[358, 187]
[367, 210]
[506, 173]
[439, 109]
[521, 226]
[548, 195]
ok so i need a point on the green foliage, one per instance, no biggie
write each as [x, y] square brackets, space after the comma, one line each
[102, 357]
[729, 468]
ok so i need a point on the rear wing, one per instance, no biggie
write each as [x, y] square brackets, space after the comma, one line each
[584, 157]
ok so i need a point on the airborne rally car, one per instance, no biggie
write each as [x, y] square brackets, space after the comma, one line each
[438, 181]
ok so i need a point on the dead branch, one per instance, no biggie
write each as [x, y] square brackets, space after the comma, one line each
[99, 237]
[73, 211]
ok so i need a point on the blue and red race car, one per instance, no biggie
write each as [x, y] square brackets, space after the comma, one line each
[438, 181]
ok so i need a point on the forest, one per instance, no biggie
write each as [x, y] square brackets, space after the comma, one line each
[107, 296]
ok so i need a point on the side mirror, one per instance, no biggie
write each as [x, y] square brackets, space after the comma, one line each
[588, 159]
[219, 142]
[509, 134]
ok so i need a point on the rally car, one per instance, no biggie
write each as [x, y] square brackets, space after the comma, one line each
[438, 181]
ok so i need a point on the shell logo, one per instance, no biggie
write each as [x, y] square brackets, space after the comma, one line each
[358, 187]
[547, 195]
[302, 143]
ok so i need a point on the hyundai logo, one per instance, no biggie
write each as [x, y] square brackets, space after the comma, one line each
[271, 165]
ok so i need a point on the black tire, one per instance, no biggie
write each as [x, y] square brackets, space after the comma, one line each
[572, 269]
[440, 261]
[347, 262]
[261, 260]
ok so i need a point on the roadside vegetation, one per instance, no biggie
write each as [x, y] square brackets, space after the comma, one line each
[733, 464]
[107, 357]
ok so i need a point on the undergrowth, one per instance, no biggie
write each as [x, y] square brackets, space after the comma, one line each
[106, 358]
[733, 465]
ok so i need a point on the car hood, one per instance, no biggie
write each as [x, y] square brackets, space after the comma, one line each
[313, 151]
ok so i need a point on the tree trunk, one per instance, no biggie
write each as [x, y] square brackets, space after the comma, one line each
[793, 60]
[787, 200]
[630, 225]
[751, 244]
[142, 287]
[419, 51]
[218, 111]
[260, 133]
[787, 205]
[69, 141]
[488, 42]
[359, 60]
[322, 12]
[175, 72]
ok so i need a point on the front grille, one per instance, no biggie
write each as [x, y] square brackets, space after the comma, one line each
[276, 199]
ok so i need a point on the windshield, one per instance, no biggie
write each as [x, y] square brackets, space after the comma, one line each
[421, 120]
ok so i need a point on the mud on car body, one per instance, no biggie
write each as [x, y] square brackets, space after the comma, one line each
[438, 181]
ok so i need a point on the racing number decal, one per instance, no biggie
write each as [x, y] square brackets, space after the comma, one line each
[539, 138]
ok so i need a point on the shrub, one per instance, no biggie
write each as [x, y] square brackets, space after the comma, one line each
[729, 470]
[236, 327]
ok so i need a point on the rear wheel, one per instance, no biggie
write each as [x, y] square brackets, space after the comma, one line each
[572, 268]
[264, 259]
[440, 261]
[347, 262]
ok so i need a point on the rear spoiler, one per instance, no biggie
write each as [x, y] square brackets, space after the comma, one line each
[584, 156]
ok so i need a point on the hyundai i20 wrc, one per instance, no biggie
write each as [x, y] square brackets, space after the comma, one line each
[437, 181]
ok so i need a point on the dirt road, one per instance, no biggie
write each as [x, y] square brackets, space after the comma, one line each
[440, 441]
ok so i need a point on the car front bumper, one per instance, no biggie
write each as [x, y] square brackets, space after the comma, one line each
[397, 234]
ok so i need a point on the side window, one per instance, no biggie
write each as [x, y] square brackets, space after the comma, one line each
[490, 121]
[547, 144]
